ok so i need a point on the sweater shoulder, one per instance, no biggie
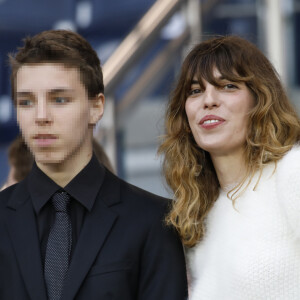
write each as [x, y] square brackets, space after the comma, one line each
[291, 160]
[288, 171]
[288, 186]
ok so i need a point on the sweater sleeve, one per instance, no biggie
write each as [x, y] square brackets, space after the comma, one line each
[288, 187]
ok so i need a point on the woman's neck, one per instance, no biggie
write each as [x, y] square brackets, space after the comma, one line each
[230, 169]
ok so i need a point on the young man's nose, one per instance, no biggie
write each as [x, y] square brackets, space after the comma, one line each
[42, 113]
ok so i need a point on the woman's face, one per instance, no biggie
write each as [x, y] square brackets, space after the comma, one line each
[218, 116]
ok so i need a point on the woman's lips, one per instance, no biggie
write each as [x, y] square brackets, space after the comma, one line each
[211, 121]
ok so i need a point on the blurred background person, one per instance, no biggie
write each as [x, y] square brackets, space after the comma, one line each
[232, 159]
[20, 161]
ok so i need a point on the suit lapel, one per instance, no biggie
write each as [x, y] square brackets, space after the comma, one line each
[22, 229]
[97, 226]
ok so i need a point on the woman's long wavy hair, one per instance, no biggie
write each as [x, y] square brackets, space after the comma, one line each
[274, 128]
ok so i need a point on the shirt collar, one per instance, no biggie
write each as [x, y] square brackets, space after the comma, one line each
[84, 187]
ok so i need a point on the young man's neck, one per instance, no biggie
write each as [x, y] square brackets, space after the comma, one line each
[62, 173]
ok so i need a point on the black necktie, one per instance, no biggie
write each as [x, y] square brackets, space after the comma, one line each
[58, 246]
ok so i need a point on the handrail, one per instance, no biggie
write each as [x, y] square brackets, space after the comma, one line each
[152, 75]
[133, 46]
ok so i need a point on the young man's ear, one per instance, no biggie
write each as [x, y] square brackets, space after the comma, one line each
[96, 108]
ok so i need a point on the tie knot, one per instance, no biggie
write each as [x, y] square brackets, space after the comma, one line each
[60, 201]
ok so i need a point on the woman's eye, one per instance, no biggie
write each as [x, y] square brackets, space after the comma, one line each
[195, 91]
[230, 86]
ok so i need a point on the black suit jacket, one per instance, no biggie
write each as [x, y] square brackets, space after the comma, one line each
[124, 251]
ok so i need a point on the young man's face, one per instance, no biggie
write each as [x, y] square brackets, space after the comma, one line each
[54, 112]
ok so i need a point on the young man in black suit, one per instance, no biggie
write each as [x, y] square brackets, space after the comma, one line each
[72, 229]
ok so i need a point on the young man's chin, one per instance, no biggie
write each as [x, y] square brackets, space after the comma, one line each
[48, 158]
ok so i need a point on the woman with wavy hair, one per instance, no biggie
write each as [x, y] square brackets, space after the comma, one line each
[232, 158]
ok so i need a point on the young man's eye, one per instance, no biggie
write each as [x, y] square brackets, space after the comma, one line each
[24, 102]
[61, 100]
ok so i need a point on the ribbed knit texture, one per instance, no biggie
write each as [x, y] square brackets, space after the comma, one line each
[252, 252]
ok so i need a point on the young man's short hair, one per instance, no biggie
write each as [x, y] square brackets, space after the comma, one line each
[61, 46]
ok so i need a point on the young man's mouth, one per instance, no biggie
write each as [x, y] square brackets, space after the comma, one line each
[44, 140]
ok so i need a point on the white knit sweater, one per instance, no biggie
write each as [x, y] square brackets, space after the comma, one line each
[252, 252]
